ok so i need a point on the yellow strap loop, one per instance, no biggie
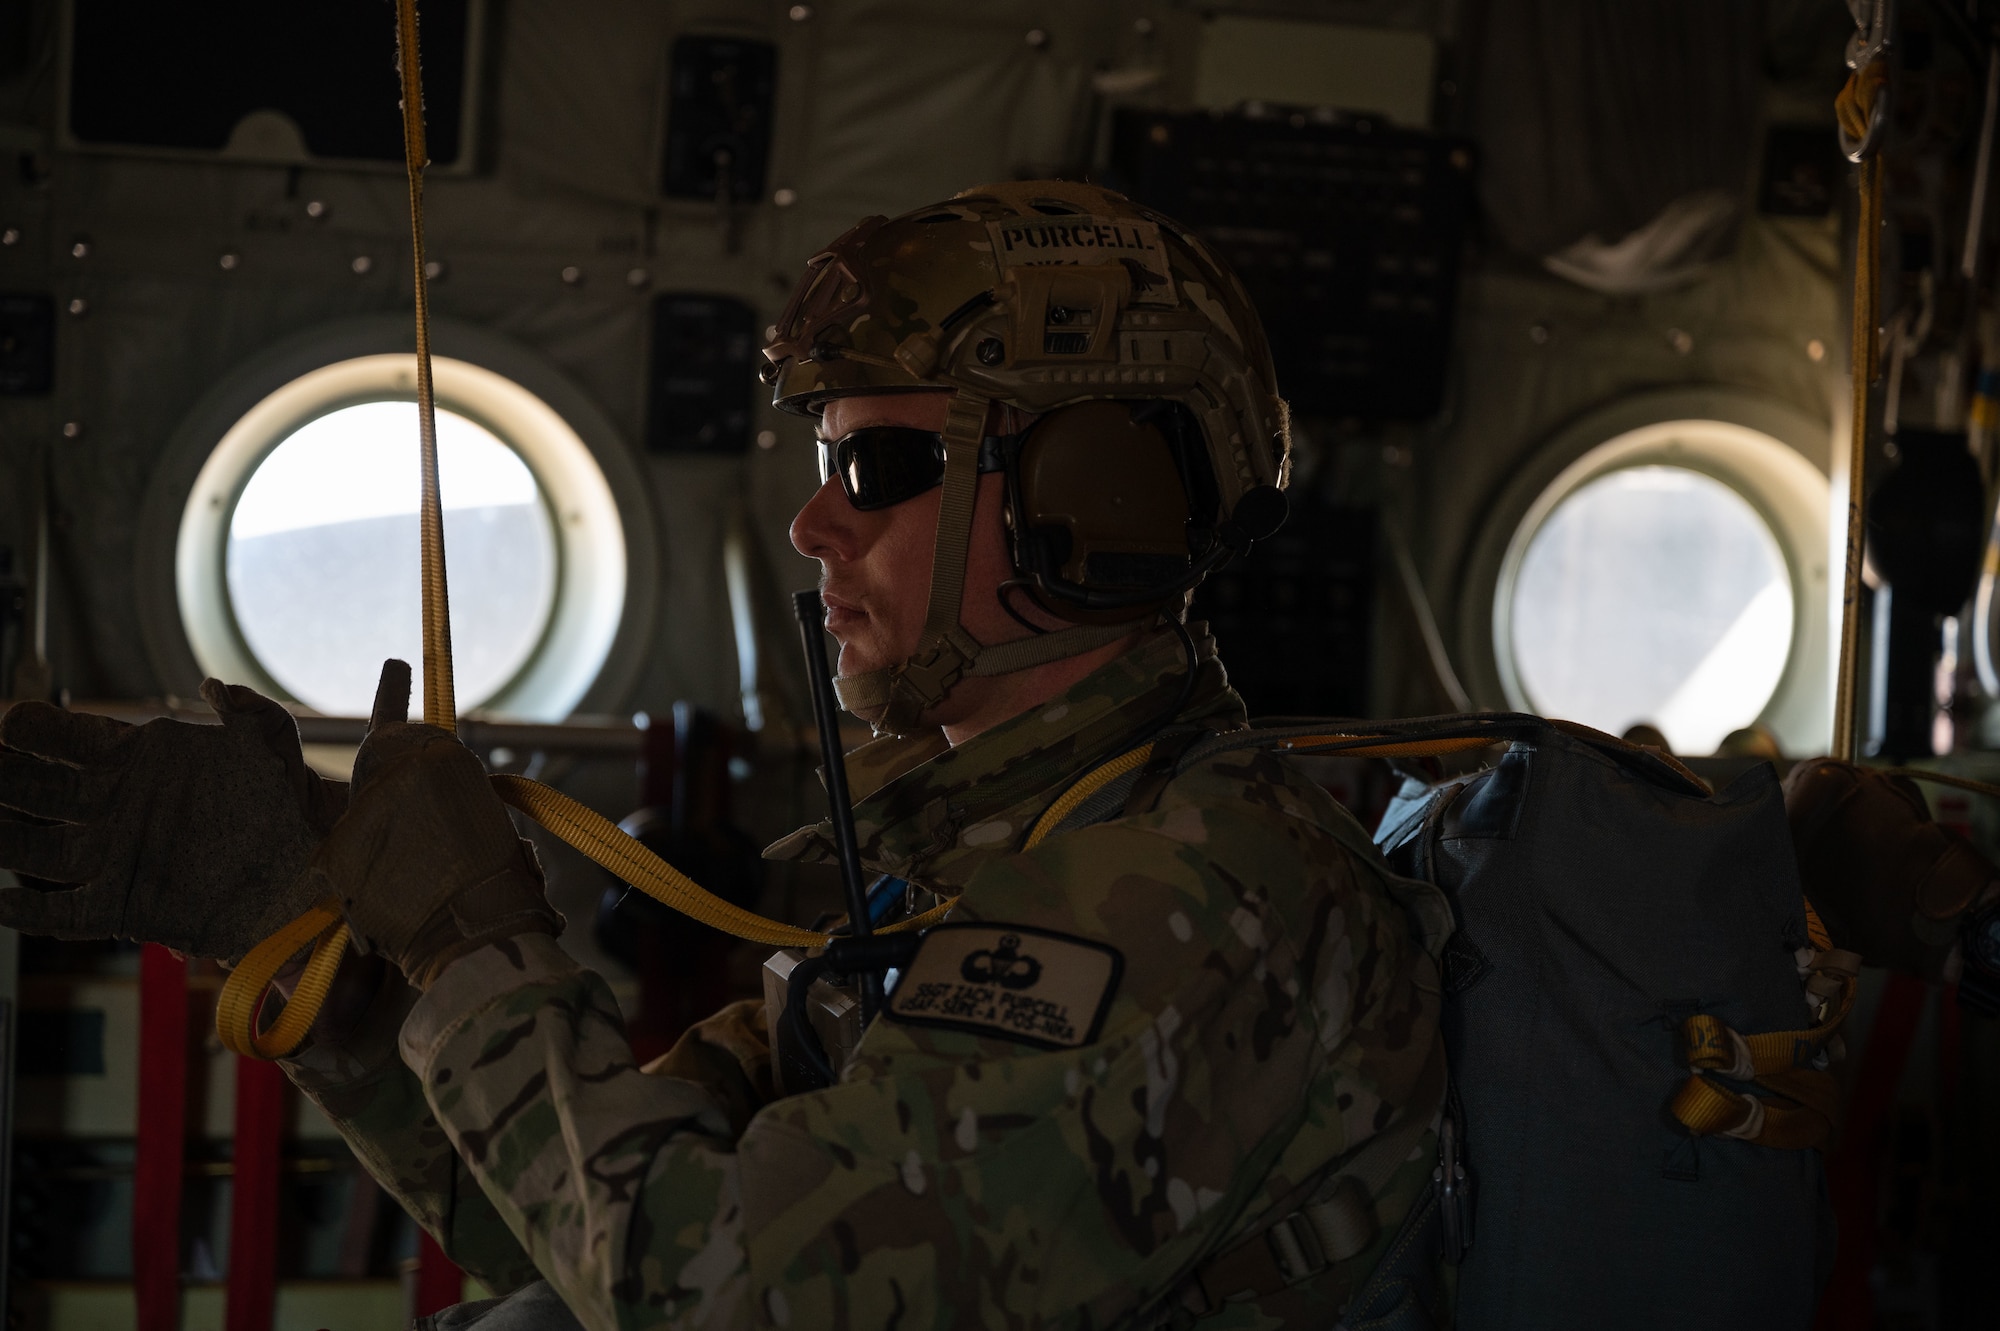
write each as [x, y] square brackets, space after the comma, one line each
[599, 838]
[1707, 1109]
[1777, 1061]
[1087, 785]
[242, 997]
[592, 833]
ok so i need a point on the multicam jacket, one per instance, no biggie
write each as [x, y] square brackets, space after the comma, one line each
[1270, 1012]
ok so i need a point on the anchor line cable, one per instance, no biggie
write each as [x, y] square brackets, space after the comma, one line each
[1863, 368]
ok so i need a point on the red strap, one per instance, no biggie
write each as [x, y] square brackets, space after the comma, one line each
[253, 1197]
[161, 1145]
[1852, 1173]
[439, 1282]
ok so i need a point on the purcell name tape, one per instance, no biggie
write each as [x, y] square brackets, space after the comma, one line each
[1025, 241]
[1011, 982]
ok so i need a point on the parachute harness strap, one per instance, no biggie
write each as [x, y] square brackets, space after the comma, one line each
[238, 1011]
[1790, 1063]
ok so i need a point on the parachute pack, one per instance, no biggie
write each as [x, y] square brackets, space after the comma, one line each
[1640, 1009]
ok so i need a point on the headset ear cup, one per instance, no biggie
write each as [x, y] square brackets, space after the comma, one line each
[1100, 512]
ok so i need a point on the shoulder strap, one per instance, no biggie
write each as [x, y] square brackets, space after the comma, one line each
[1328, 1218]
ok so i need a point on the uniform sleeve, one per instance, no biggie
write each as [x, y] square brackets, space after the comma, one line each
[954, 1177]
[376, 1104]
[728, 1055]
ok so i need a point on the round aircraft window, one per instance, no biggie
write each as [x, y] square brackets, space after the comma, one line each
[322, 567]
[296, 562]
[1652, 594]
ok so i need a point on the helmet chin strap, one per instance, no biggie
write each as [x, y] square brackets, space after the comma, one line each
[895, 698]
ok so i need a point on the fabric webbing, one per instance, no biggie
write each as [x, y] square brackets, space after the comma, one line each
[964, 427]
[159, 1151]
[1252, 1264]
[1788, 1063]
[1857, 100]
[945, 650]
[1103, 788]
[440, 699]
[251, 1298]
[861, 693]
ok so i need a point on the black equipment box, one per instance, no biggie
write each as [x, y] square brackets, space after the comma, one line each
[1346, 230]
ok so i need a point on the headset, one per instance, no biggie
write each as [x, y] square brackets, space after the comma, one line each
[1113, 510]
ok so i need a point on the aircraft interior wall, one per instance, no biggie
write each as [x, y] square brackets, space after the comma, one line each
[186, 285]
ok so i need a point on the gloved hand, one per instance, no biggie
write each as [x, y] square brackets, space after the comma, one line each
[1887, 881]
[200, 837]
[426, 861]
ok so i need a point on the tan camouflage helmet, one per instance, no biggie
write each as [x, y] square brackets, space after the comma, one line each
[1040, 295]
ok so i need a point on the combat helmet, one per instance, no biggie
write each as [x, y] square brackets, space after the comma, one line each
[1160, 446]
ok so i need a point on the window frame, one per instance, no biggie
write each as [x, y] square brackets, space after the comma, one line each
[592, 647]
[1765, 453]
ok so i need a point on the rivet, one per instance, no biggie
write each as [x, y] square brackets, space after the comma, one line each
[572, 275]
[1143, 26]
[1680, 340]
[72, 429]
[767, 439]
[1038, 39]
[1538, 334]
[11, 236]
[1159, 134]
[637, 278]
[800, 13]
[80, 250]
[362, 264]
[990, 351]
[1815, 350]
[784, 198]
[435, 270]
[229, 262]
[79, 306]
[770, 332]
[316, 208]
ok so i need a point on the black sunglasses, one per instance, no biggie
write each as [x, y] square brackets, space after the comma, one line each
[882, 465]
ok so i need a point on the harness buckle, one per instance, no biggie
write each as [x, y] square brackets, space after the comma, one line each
[1295, 1248]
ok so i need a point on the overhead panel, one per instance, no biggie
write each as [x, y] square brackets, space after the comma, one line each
[702, 375]
[1345, 229]
[719, 108]
[304, 82]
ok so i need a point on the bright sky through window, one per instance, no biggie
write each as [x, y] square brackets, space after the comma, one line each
[322, 562]
[1653, 594]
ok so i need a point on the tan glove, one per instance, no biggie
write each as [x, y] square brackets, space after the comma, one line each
[426, 861]
[196, 836]
[1887, 881]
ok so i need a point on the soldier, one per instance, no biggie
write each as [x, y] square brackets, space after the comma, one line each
[1170, 1061]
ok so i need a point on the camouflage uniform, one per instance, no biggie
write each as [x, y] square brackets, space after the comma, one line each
[1275, 1012]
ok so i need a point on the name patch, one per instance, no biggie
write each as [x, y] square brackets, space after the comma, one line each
[1029, 985]
[1019, 241]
